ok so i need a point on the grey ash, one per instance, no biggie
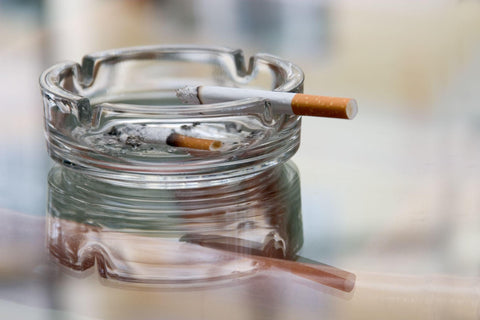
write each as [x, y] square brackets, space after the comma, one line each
[190, 127]
[253, 134]
[134, 141]
[126, 136]
[233, 127]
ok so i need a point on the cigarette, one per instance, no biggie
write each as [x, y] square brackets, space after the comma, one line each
[180, 140]
[281, 102]
[136, 135]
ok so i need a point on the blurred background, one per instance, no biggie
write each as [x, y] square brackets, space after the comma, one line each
[395, 191]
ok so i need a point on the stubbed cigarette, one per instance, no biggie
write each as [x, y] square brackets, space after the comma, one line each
[136, 135]
[281, 102]
[180, 140]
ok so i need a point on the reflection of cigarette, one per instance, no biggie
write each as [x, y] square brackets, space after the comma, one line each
[282, 102]
[320, 273]
[180, 140]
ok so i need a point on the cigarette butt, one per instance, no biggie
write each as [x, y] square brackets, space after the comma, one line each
[180, 140]
[321, 106]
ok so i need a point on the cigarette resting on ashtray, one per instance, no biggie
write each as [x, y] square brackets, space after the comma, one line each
[281, 102]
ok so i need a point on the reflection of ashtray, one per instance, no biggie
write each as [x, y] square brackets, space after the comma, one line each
[134, 235]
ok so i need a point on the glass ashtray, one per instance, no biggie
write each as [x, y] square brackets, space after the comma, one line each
[112, 115]
[150, 189]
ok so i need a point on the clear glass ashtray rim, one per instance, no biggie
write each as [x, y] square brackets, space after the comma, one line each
[293, 81]
[86, 71]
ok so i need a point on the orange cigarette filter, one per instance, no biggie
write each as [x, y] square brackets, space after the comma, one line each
[180, 140]
[321, 106]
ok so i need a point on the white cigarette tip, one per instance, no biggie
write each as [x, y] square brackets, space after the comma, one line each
[352, 108]
[188, 95]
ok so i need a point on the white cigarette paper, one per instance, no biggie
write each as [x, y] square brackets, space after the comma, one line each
[281, 102]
